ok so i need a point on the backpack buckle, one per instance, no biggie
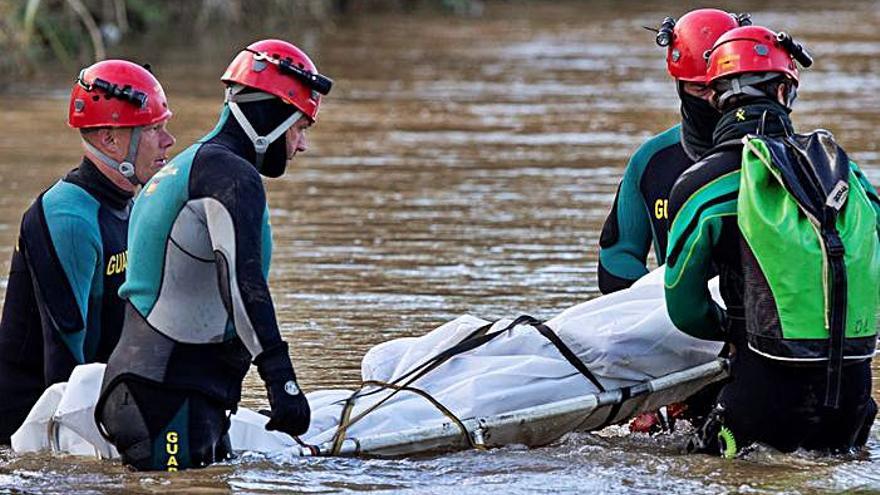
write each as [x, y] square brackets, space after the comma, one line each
[833, 244]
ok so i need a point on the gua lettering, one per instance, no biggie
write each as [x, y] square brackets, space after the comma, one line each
[117, 263]
[661, 208]
[172, 447]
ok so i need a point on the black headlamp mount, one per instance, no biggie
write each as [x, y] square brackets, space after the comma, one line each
[124, 93]
[665, 31]
[797, 50]
[317, 82]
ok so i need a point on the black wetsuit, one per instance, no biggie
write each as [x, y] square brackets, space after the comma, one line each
[639, 216]
[769, 401]
[198, 306]
[62, 307]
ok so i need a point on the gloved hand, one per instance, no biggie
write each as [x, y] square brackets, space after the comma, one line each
[290, 409]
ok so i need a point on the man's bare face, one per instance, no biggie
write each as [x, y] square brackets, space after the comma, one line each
[152, 150]
[295, 137]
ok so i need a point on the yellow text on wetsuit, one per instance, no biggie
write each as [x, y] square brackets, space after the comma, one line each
[171, 448]
[661, 208]
[117, 264]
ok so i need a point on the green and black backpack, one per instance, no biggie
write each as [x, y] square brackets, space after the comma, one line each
[810, 253]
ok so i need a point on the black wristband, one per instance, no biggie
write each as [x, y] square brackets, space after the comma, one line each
[274, 364]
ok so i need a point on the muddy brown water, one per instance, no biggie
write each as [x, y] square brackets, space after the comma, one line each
[461, 165]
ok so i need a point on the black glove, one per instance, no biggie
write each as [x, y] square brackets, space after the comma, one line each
[290, 409]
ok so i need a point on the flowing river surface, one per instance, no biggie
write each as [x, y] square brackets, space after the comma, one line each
[460, 165]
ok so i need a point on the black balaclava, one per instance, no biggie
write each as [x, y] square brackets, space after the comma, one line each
[265, 116]
[754, 115]
[698, 121]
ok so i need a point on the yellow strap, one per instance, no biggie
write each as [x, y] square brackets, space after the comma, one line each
[345, 420]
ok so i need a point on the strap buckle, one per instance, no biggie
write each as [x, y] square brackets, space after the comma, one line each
[833, 244]
[261, 144]
[126, 169]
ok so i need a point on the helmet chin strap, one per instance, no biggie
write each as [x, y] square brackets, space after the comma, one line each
[261, 143]
[126, 166]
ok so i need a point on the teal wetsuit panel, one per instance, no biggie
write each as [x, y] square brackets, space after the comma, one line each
[71, 218]
[266, 246]
[155, 210]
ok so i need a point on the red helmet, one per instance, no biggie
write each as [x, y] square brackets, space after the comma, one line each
[280, 69]
[116, 93]
[692, 36]
[750, 49]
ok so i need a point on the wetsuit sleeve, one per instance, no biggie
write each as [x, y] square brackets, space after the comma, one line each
[697, 214]
[626, 236]
[64, 265]
[235, 217]
[869, 190]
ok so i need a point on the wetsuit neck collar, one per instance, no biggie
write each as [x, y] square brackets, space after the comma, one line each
[763, 116]
[88, 177]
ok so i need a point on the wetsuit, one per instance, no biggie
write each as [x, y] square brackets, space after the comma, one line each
[771, 401]
[61, 306]
[639, 216]
[198, 306]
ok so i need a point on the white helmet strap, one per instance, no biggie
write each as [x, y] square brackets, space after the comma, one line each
[126, 166]
[261, 143]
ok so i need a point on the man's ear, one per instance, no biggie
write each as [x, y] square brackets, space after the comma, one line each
[782, 94]
[713, 99]
[108, 140]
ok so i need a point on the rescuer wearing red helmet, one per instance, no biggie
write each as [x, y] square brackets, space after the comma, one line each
[62, 307]
[639, 217]
[114, 129]
[199, 309]
[773, 213]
